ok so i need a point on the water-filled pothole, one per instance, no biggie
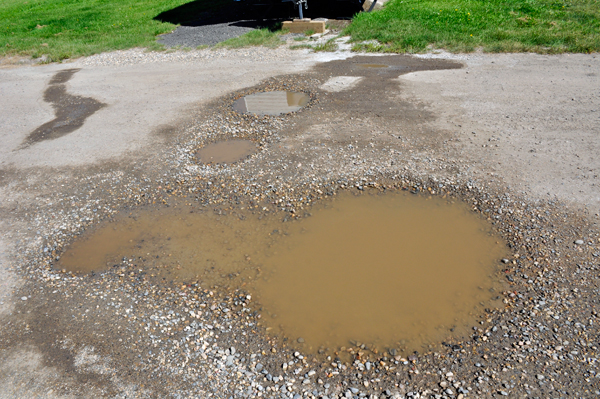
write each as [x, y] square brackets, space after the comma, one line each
[271, 103]
[226, 151]
[392, 271]
[388, 271]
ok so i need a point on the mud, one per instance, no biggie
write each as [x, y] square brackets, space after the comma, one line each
[226, 151]
[374, 66]
[175, 242]
[389, 271]
[70, 111]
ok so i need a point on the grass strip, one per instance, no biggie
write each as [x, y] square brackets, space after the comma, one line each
[259, 37]
[62, 29]
[542, 26]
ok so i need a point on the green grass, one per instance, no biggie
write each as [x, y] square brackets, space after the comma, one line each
[544, 26]
[259, 37]
[301, 46]
[63, 29]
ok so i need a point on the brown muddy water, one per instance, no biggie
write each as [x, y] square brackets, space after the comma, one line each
[271, 103]
[393, 272]
[229, 151]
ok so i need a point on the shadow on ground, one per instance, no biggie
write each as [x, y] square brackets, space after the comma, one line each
[255, 13]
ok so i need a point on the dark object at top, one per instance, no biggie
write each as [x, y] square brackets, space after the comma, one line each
[322, 8]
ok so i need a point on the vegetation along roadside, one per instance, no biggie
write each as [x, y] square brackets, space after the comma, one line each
[544, 26]
[60, 29]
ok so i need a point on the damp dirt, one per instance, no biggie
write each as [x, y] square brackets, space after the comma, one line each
[226, 151]
[387, 271]
[70, 111]
[374, 66]
[271, 103]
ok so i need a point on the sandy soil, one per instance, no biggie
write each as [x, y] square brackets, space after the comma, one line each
[519, 131]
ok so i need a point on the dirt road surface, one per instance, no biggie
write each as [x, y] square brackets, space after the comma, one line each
[517, 136]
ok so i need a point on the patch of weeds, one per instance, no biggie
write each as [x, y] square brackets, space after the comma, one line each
[369, 48]
[173, 49]
[300, 46]
[258, 37]
[300, 39]
[329, 45]
[42, 60]
[202, 47]
[155, 46]
[309, 32]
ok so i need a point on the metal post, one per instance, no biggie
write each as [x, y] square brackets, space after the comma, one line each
[299, 3]
[372, 5]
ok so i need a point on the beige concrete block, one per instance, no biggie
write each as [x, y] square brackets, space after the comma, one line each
[303, 25]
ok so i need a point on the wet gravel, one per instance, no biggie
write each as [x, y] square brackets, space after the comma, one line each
[131, 333]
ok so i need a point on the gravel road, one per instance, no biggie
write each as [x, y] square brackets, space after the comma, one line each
[461, 126]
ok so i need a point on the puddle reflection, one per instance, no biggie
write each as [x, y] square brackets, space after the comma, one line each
[271, 103]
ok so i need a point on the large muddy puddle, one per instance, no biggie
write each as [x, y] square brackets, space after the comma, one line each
[395, 271]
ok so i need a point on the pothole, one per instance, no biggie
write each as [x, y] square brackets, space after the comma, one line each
[229, 151]
[392, 272]
[271, 103]
[388, 271]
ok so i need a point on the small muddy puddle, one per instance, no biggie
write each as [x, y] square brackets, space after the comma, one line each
[226, 151]
[271, 103]
[389, 271]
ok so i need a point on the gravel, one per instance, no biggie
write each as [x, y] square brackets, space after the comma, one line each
[207, 35]
[141, 337]
[137, 56]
